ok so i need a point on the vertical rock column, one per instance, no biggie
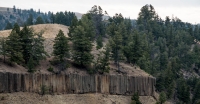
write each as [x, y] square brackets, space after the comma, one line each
[74, 83]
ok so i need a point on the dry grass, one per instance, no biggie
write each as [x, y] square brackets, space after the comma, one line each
[50, 31]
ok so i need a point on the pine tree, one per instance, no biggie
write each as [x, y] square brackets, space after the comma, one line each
[29, 21]
[73, 26]
[26, 38]
[116, 47]
[102, 64]
[169, 81]
[82, 38]
[196, 92]
[52, 18]
[170, 90]
[136, 51]
[146, 15]
[96, 13]
[135, 98]
[14, 8]
[183, 91]
[39, 20]
[160, 82]
[3, 48]
[82, 46]
[144, 60]
[60, 47]
[8, 26]
[144, 63]
[99, 42]
[16, 28]
[162, 97]
[37, 51]
[163, 61]
[88, 26]
[13, 48]
[124, 32]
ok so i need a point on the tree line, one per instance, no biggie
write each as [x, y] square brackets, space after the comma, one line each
[32, 17]
[23, 47]
[163, 48]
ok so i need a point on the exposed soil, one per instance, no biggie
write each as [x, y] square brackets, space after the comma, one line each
[33, 98]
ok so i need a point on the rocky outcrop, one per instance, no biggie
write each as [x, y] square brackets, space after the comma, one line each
[77, 84]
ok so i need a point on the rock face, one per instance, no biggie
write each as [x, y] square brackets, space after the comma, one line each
[77, 84]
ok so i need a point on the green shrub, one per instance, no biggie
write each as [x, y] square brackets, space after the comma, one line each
[162, 97]
[68, 65]
[31, 71]
[44, 90]
[50, 69]
[91, 70]
[135, 99]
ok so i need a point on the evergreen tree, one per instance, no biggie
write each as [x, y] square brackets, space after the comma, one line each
[82, 46]
[13, 48]
[29, 21]
[116, 48]
[163, 61]
[144, 63]
[135, 98]
[14, 8]
[73, 26]
[146, 16]
[8, 26]
[196, 93]
[102, 64]
[3, 48]
[39, 20]
[124, 32]
[136, 51]
[52, 18]
[183, 91]
[26, 38]
[170, 90]
[16, 28]
[64, 18]
[111, 28]
[96, 13]
[37, 51]
[88, 26]
[99, 42]
[144, 60]
[60, 47]
[160, 83]
[162, 97]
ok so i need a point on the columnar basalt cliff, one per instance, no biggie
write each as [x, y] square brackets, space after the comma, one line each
[76, 84]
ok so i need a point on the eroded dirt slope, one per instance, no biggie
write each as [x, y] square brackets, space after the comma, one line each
[33, 98]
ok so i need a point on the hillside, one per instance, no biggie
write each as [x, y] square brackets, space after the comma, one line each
[9, 16]
[167, 49]
[50, 31]
[20, 16]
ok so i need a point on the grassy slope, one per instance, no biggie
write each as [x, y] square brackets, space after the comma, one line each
[50, 31]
